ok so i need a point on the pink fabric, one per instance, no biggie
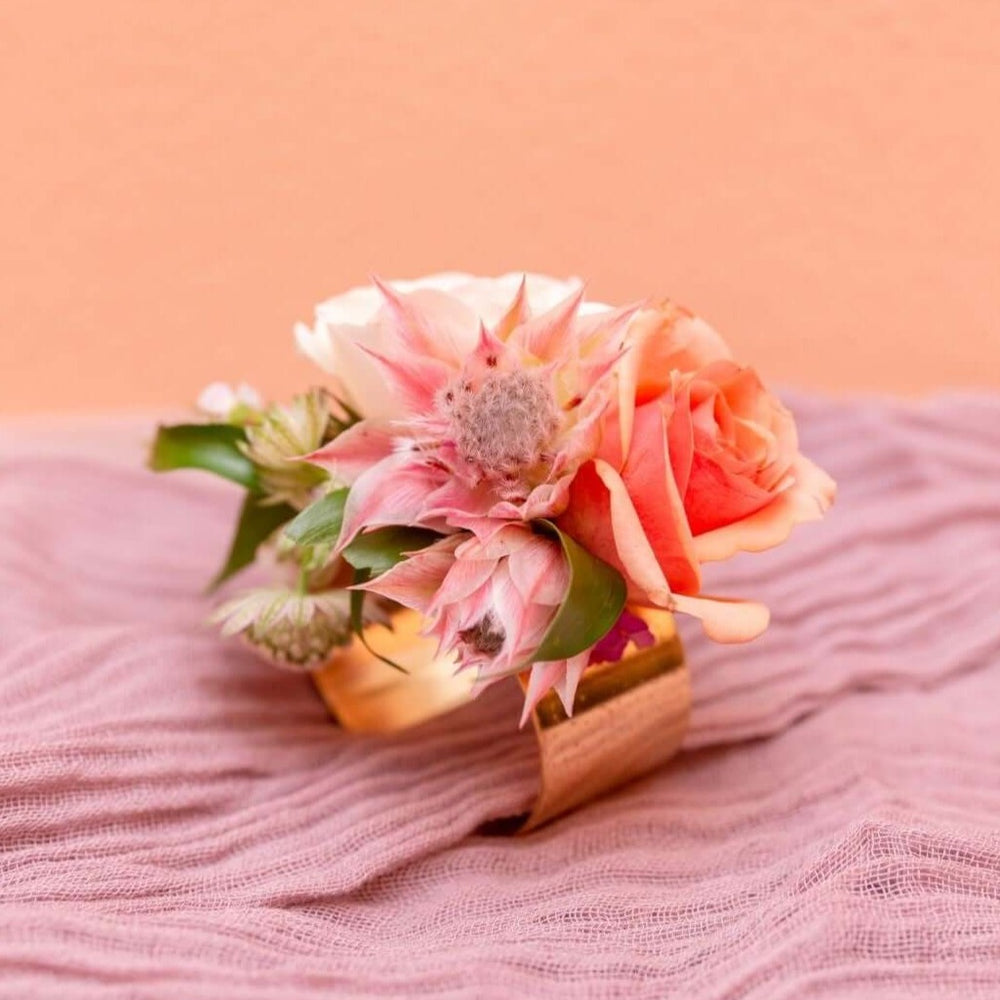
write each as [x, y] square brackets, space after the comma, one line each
[179, 820]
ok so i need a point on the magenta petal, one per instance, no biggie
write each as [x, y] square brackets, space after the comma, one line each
[628, 628]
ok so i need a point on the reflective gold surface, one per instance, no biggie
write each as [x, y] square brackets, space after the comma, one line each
[629, 717]
[366, 695]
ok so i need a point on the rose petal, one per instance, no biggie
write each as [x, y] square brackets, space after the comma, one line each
[807, 500]
[723, 619]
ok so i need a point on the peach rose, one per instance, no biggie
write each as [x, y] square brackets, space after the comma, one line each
[698, 462]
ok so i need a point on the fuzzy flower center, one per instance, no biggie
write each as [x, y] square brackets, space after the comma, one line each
[486, 636]
[504, 425]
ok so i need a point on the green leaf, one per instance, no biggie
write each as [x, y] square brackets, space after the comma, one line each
[256, 524]
[212, 447]
[594, 601]
[379, 550]
[358, 603]
[375, 553]
[321, 521]
[358, 619]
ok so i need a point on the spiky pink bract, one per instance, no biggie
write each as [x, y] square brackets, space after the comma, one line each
[490, 597]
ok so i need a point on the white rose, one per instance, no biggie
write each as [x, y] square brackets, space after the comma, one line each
[356, 318]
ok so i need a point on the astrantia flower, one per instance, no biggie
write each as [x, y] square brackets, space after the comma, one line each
[290, 629]
[493, 427]
[491, 600]
[278, 440]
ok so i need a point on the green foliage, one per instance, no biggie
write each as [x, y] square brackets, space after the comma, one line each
[594, 601]
[212, 447]
[257, 522]
[320, 522]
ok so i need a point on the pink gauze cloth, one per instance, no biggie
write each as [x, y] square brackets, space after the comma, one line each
[179, 820]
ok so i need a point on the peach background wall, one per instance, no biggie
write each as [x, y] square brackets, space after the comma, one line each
[181, 181]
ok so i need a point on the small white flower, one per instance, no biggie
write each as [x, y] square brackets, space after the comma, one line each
[220, 400]
[289, 629]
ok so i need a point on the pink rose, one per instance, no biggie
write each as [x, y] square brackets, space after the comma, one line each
[698, 461]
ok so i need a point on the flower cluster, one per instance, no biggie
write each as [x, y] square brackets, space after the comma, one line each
[563, 464]
[526, 469]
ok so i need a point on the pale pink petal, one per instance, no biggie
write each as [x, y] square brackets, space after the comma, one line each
[354, 451]
[457, 502]
[509, 608]
[546, 500]
[547, 336]
[516, 313]
[540, 573]
[541, 679]
[490, 355]
[414, 378]
[525, 642]
[465, 578]
[415, 581]
[430, 322]
[567, 684]
[451, 620]
[392, 492]
[725, 620]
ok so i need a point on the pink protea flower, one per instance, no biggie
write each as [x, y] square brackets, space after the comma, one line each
[490, 598]
[495, 431]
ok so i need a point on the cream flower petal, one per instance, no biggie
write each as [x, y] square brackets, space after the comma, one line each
[724, 619]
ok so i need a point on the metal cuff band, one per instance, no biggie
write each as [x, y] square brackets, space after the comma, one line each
[629, 717]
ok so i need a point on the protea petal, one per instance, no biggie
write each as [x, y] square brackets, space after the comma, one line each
[416, 580]
[391, 492]
[430, 323]
[567, 684]
[416, 379]
[539, 573]
[465, 578]
[542, 677]
[355, 450]
[547, 337]
[516, 314]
